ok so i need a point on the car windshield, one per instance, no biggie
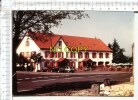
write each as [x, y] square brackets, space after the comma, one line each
[67, 67]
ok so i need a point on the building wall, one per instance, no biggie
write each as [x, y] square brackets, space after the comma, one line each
[33, 47]
[77, 60]
[23, 48]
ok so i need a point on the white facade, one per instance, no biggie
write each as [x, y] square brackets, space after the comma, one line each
[27, 49]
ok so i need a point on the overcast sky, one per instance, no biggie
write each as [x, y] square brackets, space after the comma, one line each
[103, 25]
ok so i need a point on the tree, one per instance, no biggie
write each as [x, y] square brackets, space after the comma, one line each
[37, 58]
[40, 21]
[118, 56]
[37, 21]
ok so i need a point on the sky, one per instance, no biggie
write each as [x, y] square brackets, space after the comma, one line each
[106, 26]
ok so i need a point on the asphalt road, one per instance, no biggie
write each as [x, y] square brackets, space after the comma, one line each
[32, 82]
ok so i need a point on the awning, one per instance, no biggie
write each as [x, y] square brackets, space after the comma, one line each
[86, 59]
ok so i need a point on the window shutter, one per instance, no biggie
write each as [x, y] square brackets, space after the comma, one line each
[71, 55]
[62, 55]
[45, 54]
[71, 64]
[50, 54]
[59, 55]
[107, 55]
[56, 64]
[74, 55]
[92, 55]
[51, 64]
[74, 65]
[99, 55]
[79, 55]
[55, 54]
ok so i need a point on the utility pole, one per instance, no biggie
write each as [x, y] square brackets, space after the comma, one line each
[133, 58]
[132, 77]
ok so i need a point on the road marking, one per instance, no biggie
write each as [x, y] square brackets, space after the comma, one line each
[52, 79]
[77, 77]
[39, 77]
[33, 78]
[91, 76]
[19, 79]
[43, 80]
[24, 90]
[27, 78]
[38, 81]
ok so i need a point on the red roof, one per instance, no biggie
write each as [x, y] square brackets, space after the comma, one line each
[93, 44]
[44, 41]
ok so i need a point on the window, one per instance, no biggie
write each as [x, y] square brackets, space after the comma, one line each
[55, 54]
[72, 64]
[67, 54]
[46, 64]
[60, 55]
[100, 55]
[72, 55]
[27, 42]
[47, 54]
[80, 55]
[107, 55]
[51, 54]
[86, 55]
[27, 54]
[93, 55]
[79, 63]
[60, 43]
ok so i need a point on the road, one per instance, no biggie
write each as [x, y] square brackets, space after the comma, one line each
[32, 81]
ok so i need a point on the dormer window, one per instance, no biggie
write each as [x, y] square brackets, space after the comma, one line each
[60, 43]
[27, 43]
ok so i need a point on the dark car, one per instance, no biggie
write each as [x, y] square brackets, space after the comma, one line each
[61, 70]
[54, 69]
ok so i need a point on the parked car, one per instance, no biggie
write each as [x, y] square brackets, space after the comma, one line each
[55, 69]
[68, 69]
[61, 70]
[86, 68]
